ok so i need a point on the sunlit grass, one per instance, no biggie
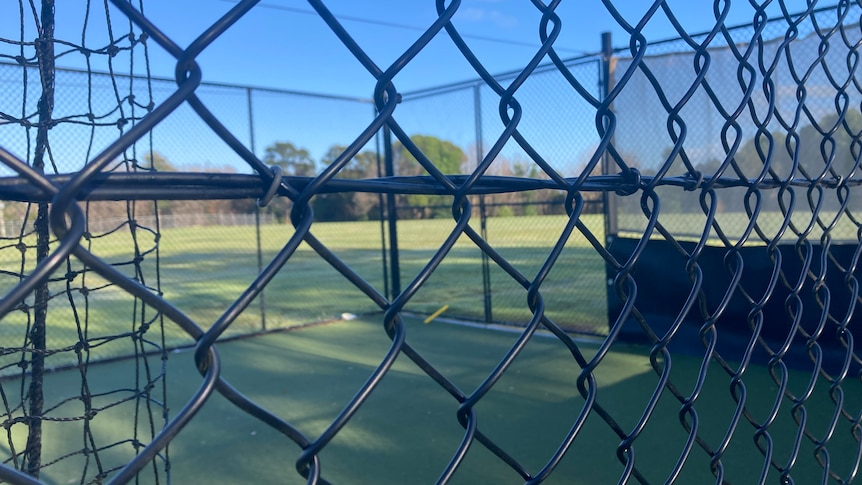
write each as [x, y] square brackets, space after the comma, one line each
[202, 270]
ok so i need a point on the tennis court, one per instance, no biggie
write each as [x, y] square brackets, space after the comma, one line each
[408, 430]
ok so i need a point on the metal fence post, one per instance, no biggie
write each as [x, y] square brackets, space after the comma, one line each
[483, 216]
[262, 297]
[608, 202]
[381, 205]
[392, 214]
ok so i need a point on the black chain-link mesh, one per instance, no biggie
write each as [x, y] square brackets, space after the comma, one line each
[743, 182]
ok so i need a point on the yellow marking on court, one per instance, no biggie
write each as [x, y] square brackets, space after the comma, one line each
[436, 314]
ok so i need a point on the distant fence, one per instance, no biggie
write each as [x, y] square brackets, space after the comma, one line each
[787, 122]
[172, 221]
[488, 208]
[462, 115]
[254, 114]
[87, 119]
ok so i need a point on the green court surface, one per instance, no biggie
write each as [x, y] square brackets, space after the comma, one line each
[407, 431]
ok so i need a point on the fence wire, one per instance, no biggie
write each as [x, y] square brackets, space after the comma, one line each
[799, 313]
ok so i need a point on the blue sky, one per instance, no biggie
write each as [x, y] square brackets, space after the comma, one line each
[282, 44]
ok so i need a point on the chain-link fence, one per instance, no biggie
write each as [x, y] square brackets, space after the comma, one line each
[521, 225]
[766, 94]
[86, 120]
[459, 115]
[773, 112]
[734, 267]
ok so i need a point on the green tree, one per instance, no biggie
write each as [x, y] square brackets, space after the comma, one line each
[157, 162]
[514, 203]
[811, 148]
[525, 169]
[749, 160]
[445, 155]
[293, 160]
[808, 149]
[362, 165]
[348, 206]
[812, 141]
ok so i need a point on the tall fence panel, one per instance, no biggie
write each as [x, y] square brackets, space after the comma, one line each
[444, 121]
[756, 114]
[751, 106]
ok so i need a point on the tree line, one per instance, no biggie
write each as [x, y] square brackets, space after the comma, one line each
[833, 139]
[346, 206]
[451, 159]
[353, 206]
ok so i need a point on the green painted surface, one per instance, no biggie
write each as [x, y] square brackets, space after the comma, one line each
[407, 431]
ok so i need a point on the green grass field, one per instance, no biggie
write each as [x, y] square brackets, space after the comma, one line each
[201, 270]
[407, 431]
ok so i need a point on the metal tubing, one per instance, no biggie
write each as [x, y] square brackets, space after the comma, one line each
[392, 216]
[483, 215]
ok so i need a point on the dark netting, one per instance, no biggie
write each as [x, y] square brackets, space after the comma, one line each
[72, 315]
[715, 207]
